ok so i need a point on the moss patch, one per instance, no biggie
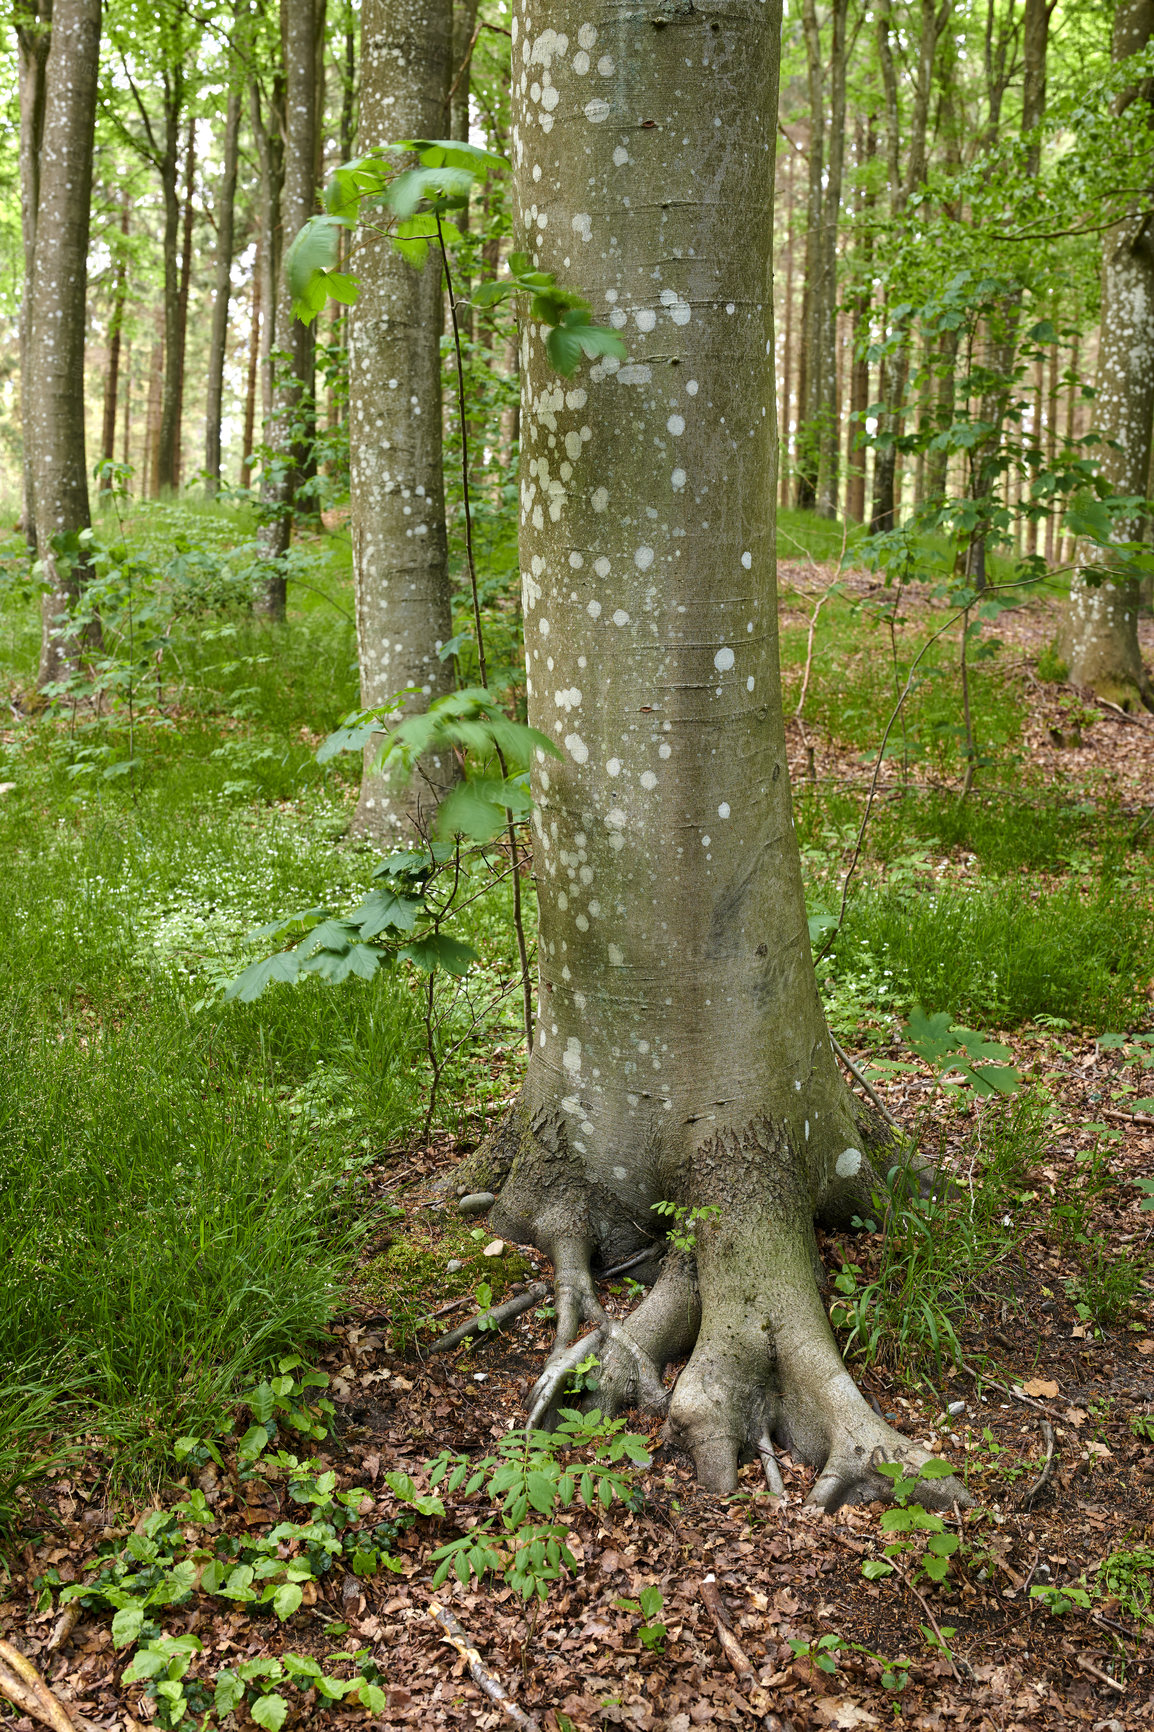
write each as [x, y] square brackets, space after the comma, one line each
[411, 1277]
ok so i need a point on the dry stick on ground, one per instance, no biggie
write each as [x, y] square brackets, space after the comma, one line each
[478, 1671]
[1043, 1478]
[1096, 1672]
[493, 1318]
[23, 1685]
[65, 1624]
[730, 1646]
[853, 1070]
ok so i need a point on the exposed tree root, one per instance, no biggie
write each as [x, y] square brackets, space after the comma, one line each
[494, 1318]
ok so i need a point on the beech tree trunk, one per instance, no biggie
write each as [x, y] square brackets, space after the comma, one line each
[400, 558]
[681, 1050]
[218, 338]
[253, 370]
[33, 40]
[57, 317]
[1102, 626]
[115, 337]
[168, 164]
[301, 21]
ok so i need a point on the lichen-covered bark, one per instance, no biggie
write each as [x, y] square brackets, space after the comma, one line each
[400, 560]
[681, 1050]
[57, 294]
[1101, 637]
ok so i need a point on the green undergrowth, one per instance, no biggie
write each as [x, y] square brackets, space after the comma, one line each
[402, 1275]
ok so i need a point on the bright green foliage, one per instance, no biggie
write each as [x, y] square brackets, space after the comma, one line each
[418, 200]
[957, 1052]
[1059, 1601]
[651, 1631]
[895, 1674]
[920, 1539]
[683, 1233]
[1128, 1577]
[527, 1474]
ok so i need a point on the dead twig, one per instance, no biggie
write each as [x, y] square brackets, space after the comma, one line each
[23, 1685]
[1124, 1118]
[478, 1671]
[866, 1085]
[943, 1645]
[1043, 1478]
[730, 1646]
[65, 1624]
[1097, 1672]
[493, 1318]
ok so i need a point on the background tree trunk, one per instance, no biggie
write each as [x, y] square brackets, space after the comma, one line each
[301, 20]
[33, 40]
[168, 163]
[1102, 626]
[58, 293]
[253, 370]
[218, 339]
[112, 376]
[681, 1052]
[400, 560]
[183, 296]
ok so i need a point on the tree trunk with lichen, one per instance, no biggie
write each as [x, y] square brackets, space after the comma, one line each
[681, 1051]
[1102, 625]
[400, 557]
[58, 293]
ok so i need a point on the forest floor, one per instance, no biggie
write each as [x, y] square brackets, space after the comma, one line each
[1038, 1260]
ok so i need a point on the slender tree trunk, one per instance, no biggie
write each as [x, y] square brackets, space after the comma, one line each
[400, 562]
[112, 377]
[826, 393]
[1102, 627]
[151, 464]
[168, 437]
[267, 116]
[218, 338]
[183, 298]
[58, 292]
[681, 1053]
[254, 345]
[814, 320]
[33, 40]
[300, 22]
[787, 343]
[859, 391]
[125, 456]
[1051, 441]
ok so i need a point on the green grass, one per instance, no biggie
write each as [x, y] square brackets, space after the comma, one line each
[1001, 952]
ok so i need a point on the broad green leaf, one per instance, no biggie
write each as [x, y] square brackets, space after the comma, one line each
[127, 1624]
[361, 960]
[438, 950]
[229, 1693]
[383, 909]
[372, 1698]
[1089, 517]
[445, 186]
[286, 1600]
[250, 984]
[574, 337]
[306, 917]
[935, 1468]
[270, 1712]
[314, 251]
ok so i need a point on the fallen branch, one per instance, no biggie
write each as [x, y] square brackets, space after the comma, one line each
[730, 1646]
[1096, 1672]
[65, 1624]
[1043, 1478]
[493, 1318]
[478, 1671]
[866, 1085]
[1125, 1118]
[26, 1689]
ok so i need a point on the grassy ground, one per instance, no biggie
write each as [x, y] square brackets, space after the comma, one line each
[193, 1190]
[184, 1176]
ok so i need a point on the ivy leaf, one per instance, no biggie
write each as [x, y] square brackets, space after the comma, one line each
[438, 950]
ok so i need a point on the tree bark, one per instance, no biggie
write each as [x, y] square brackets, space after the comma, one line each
[681, 1052]
[112, 377]
[253, 370]
[168, 164]
[301, 21]
[58, 292]
[183, 296]
[400, 558]
[267, 117]
[33, 40]
[1102, 625]
[218, 338]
